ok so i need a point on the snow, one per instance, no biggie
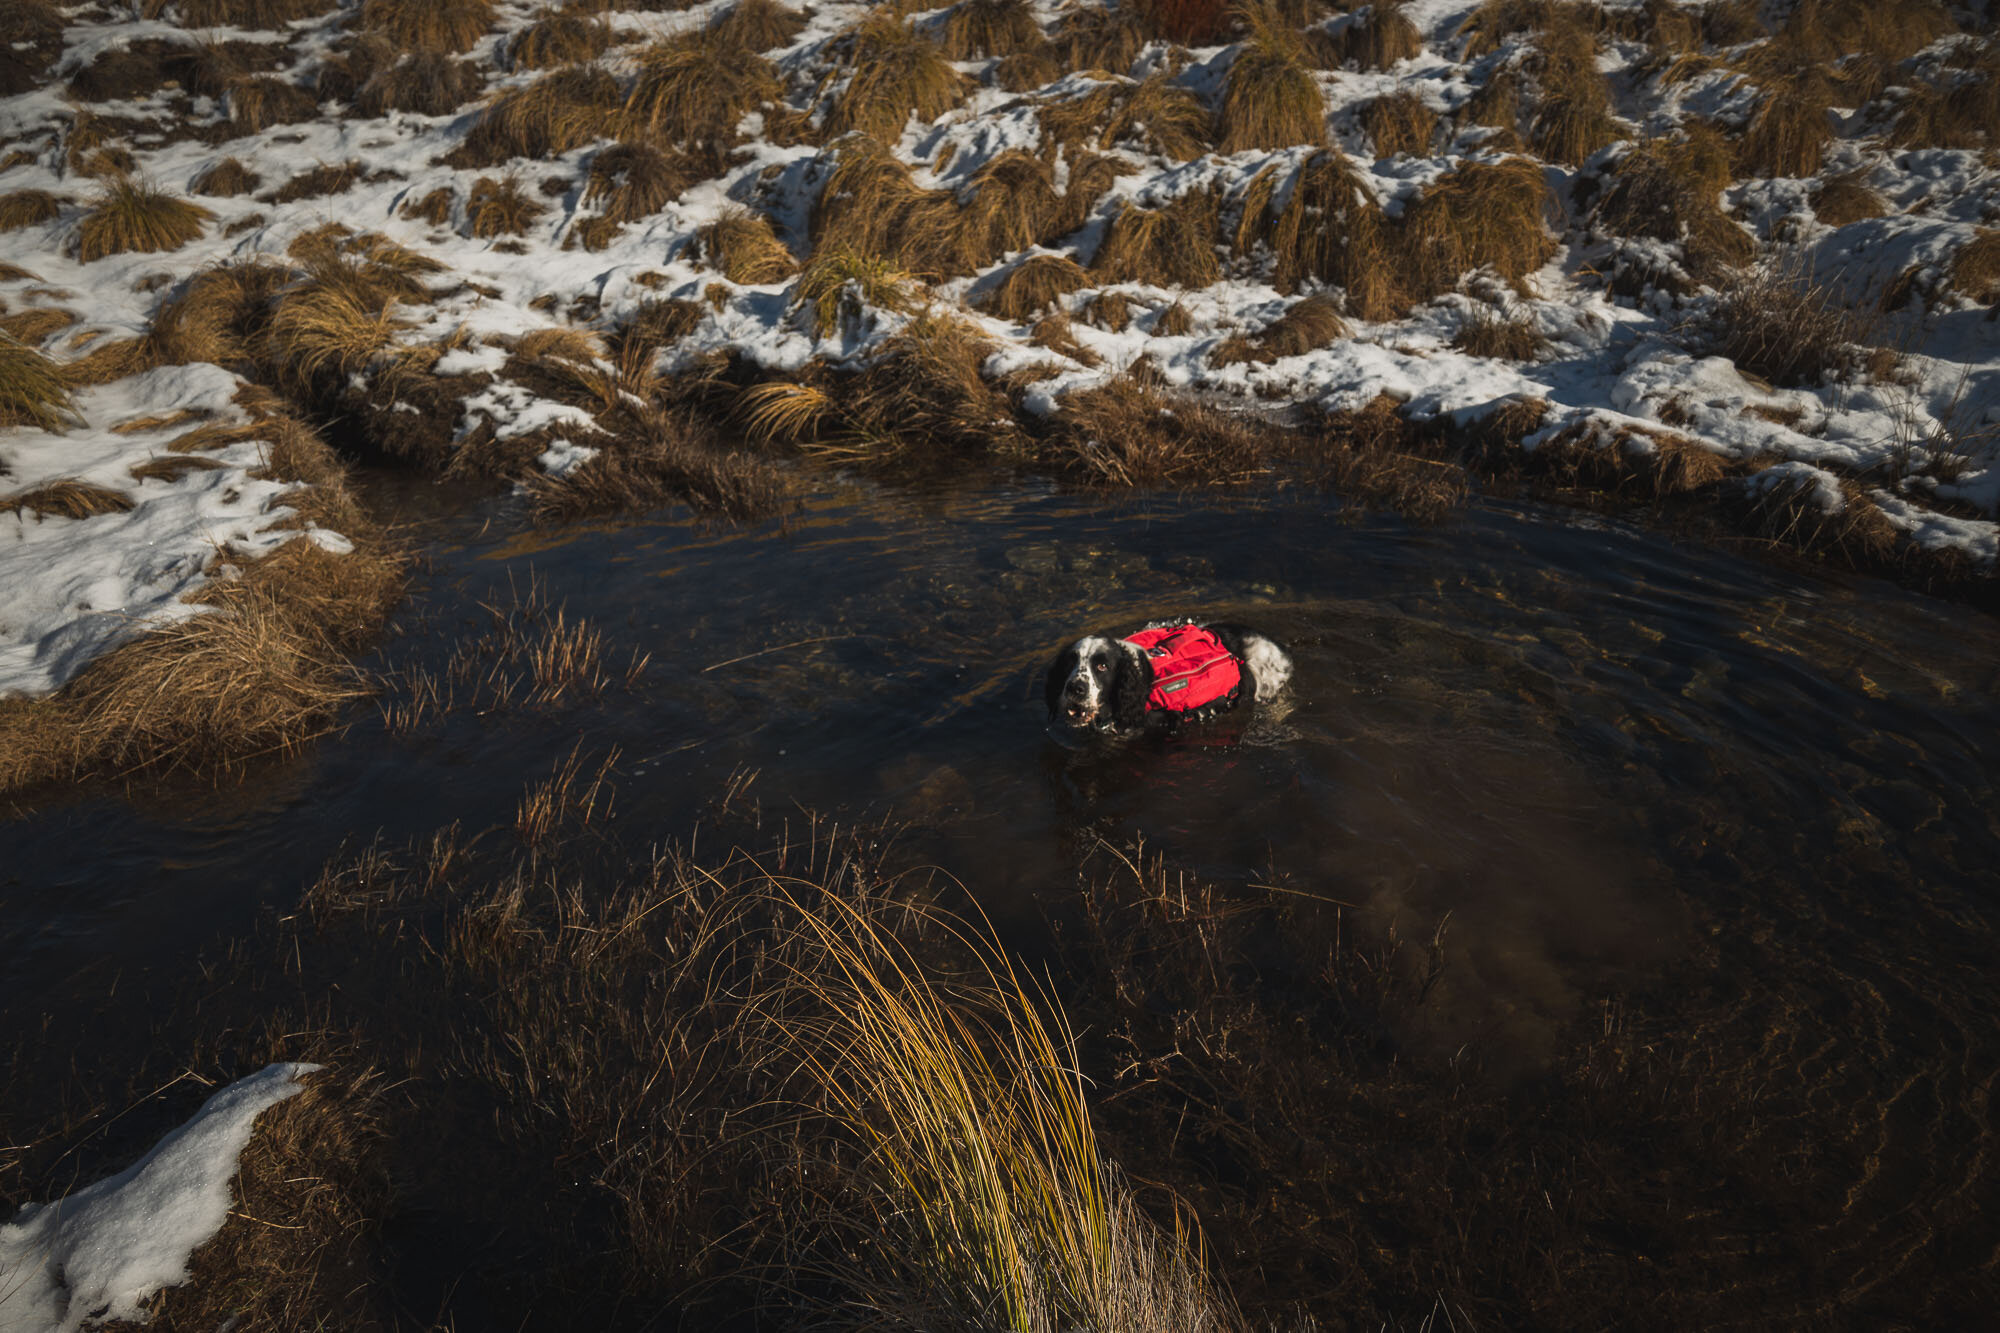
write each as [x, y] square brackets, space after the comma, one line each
[87, 584]
[101, 1252]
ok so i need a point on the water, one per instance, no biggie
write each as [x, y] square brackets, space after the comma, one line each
[1599, 757]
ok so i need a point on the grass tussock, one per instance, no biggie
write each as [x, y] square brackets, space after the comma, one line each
[1791, 125]
[28, 208]
[1327, 228]
[1090, 37]
[448, 26]
[129, 216]
[1184, 22]
[118, 74]
[67, 498]
[983, 29]
[743, 246]
[1033, 285]
[1797, 507]
[1482, 215]
[839, 287]
[1572, 112]
[1671, 190]
[428, 83]
[557, 113]
[1975, 268]
[499, 208]
[1170, 246]
[1305, 326]
[1780, 324]
[1271, 98]
[629, 181]
[692, 90]
[1483, 333]
[870, 206]
[669, 459]
[1629, 461]
[1400, 123]
[894, 71]
[758, 25]
[259, 101]
[31, 38]
[36, 324]
[225, 179]
[563, 36]
[1012, 204]
[258, 15]
[1153, 115]
[1381, 39]
[320, 182]
[1132, 433]
[1845, 198]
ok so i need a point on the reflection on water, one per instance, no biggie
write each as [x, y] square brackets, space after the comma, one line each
[1595, 755]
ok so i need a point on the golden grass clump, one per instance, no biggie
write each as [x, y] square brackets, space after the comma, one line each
[1013, 204]
[27, 208]
[1790, 129]
[31, 38]
[429, 25]
[1839, 200]
[666, 459]
[1154, 115]
[692, 90]
[499, 208]
[1381, 40]
[1779, 323]
[1095, 37]
[1572, 116]
[758, 25]
[1132, 433]
[1271, 98]
[33, 391]
[1975, 268]
[1482, 215]
[980, 29]
[870, 206]
[559, 37]
[259, 101]
[320, 182]
[1960, 108]
[1305, 326]
[1671, 190]
[1033, 285]
[745, 248]
[894, 72]
[1400, 123]
[130, 216]
[1170, 246]
[840, 285]
[1184, 22]
[629, 181]
[1630, 458]
[254, 14]
[225, 179]
[67, 498]
[429, 83]
[1328, 228]
[34, 325]
[1485, 333]
[557, 113]
[1827, 31]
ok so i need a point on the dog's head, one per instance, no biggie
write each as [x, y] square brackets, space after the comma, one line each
[1097, 684]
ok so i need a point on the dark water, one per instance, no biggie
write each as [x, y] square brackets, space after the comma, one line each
[1595, 753]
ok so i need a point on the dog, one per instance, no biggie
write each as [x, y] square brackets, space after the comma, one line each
[1166, 675]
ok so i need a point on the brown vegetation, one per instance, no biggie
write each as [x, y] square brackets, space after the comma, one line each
[980, 29]
[563, 36]
[1153, 115]
[668, 459]
[1033, 285]
[1572, 114]
[743, 246]
[1482, 215]
[1131, 433]
[557, 113]
[1385, 37]
[894, 72]
[1839, 200]
[1790, 128]
[1169, 246]
[1399, 123]
[870, 206]
[328, 178]
[1777, 322]
[1306, 325]
[1271, 99]
[499, 208]
[1484, 333]
[259, 101]
[28, 208]
[758, 25]
[224, 179]
[429, 83]
[131, 216]
[692, 90]
[429, 25]
[1672, 190]
[66, 497]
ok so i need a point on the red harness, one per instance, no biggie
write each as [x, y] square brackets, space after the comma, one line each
[1191, 668]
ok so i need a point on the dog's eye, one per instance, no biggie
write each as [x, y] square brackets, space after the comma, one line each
[1098, 666]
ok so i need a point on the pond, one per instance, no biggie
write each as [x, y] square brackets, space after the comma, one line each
[1593, 756]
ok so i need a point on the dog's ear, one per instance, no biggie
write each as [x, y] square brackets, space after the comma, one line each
[1059, 673]
[1130, 684]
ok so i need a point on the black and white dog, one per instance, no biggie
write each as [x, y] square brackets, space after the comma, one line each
[1162, 676]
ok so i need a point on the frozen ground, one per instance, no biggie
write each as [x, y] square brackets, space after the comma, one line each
[78, 586]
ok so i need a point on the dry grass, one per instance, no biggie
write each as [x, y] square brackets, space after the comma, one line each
[1482, 215]
[1171, 246]
[1099, 38]
[259, 101]
[1186, 22]
[1630, 461]
[1485, 333]
[31, 37]
[253, 14]
[1572, 116]
[1671, 190]
[1033, 285]
[1328, 228]
[629, 181]
[1778, 323]
[870, 206]
[1271, 98]
[1400, 123]
[320, 182]
[129, 216]
[669, 459]
[894, 72]
[118, 74]
[429, 83]
[499, 208]
[1386, 37]
[1012, 205]
[1790, 129]
[1975, 269]
[1305, 326]
[1791, 511]
[743, 246]
[67, 498]
[429, 25]
[1132, 433]
[171, 468]
[28, 208]
[839, 286]
[559, 37]
[981, 29]
[225, 179]
[692, 90]
[34, 325]
[1153, 115]
[557, 113]
[758, 25]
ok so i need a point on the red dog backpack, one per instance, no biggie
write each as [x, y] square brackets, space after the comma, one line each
[1191, 669]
